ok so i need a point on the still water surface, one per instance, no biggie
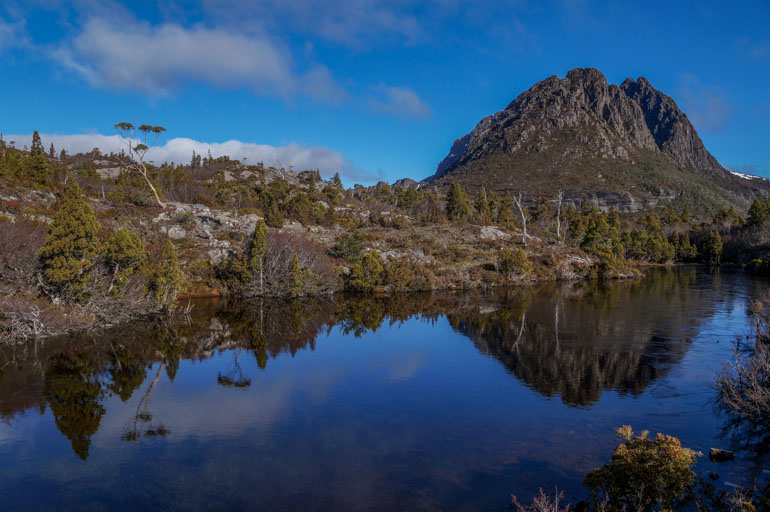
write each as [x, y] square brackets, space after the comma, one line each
[440, 401]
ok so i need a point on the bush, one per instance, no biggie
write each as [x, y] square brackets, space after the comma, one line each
[275, 218]
[124, 254]
[68, 252]
[513, 262]
[367, 273]
[166, 278]
[644, 474]
[349, 246]
[402, 275]
[744, 385]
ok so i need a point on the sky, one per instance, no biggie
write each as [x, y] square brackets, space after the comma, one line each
[373, 89]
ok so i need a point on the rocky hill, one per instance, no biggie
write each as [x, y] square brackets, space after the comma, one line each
[629, 146]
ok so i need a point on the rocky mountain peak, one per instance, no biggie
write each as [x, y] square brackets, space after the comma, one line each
[583, 115]
[595, 139]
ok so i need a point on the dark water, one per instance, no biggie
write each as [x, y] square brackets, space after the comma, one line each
[418, 402]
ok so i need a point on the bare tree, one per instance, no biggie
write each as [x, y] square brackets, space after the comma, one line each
[138, 146]
[524, 216]
[558, 202]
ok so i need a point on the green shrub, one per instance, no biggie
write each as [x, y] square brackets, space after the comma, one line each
[349, 246]
[402, 274]
[275, 218]
[68, 251]
[367, 273]
[166, 279]
[124, 254]
[644, 474]
[513, 262]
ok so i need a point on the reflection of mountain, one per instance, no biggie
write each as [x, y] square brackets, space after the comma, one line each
[573, 341]
[584, 339]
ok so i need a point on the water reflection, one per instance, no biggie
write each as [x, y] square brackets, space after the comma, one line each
[571, 341]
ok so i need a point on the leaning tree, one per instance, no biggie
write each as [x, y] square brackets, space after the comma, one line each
[139, 140]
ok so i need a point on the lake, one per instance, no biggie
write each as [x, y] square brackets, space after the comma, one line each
[422, 402]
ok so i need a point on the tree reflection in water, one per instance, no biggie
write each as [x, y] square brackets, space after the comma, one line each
[573, 341]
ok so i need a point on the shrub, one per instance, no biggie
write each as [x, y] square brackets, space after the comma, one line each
[275, 218]
[166, 279]
[349, 246]
[68, 252]
[644, 474]
[744, 385]
[19, 245]
[367, 273]
[513, 262]
[402, 274]
[124, 254]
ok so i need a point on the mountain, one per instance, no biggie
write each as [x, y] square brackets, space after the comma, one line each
[628, 146]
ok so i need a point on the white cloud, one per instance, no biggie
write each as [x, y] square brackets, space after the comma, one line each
[179, 150]
[350, 22]
[157, 59]
[12, 35]
[400, 102]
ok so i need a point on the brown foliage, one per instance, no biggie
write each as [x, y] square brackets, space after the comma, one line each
[19, 244]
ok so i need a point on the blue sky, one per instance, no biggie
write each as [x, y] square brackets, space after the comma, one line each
[368, 87]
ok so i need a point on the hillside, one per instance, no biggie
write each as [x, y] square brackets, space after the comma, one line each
[628, 146]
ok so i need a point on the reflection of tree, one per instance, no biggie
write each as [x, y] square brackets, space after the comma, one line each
[234, 377]
[580, 340]
[73, 392]
[144, 423]
[574, 341]
[127, 372]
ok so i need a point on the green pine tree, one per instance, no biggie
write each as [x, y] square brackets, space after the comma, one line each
[297, 282]
[68, 252]
[257, 250]
[124, 254]
[458, 204]
[712, 249]
[37, 164]
[167, 278]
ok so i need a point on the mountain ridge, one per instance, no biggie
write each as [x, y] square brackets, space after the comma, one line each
[588, 136]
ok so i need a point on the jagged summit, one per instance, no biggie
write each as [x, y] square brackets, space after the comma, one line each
[582, 134]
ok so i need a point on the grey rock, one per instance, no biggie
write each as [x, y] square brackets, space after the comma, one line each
[176, 232]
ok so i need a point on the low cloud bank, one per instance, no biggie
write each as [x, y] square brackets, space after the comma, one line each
[180, 149]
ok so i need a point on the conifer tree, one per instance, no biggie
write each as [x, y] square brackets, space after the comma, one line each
[297, 278]
[37, 165]
[124, 254]
[458, 204]
[336, 181]
[167, 278]
[68, 252]
[257, 250]
[712, 249]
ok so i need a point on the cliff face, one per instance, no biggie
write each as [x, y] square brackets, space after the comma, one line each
[586, 136]
[674, 134]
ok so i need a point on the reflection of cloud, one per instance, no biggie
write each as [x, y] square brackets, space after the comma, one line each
[406, 366]
[707, 106]
[179, 150]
